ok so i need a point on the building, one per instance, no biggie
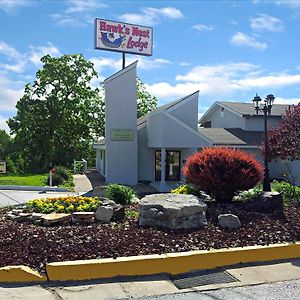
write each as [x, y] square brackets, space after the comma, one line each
[154, 148]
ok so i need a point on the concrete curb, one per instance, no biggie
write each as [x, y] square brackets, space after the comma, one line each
[20, 274]
[32, 188]
[172, 263]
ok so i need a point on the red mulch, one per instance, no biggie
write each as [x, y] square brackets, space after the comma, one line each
[32, 245]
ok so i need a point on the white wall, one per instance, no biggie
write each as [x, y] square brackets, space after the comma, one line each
[121, 113]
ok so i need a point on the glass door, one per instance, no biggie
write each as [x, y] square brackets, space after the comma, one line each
[173, 165]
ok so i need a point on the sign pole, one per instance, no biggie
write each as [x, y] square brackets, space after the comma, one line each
[123, 63]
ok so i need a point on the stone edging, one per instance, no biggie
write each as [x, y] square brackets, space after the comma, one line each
[172, 263]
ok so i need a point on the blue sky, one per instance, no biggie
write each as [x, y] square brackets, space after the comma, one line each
[229, 50]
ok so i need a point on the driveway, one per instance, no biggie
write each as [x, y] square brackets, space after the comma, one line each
[12, 197]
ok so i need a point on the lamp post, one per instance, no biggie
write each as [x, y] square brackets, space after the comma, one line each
[266, 108]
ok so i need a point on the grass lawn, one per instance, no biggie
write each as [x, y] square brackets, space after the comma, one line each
[33, 180]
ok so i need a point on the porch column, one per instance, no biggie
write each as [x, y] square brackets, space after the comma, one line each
[162, 186]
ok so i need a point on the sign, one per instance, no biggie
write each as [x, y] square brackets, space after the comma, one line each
[2, 167]
[123, 37]
[121, 135]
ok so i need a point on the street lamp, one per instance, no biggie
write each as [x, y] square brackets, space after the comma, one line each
[266, 108]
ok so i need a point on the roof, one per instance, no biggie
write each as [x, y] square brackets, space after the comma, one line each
[247, 109]
[232, 136]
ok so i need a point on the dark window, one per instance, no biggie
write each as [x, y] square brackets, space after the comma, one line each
[173, 165]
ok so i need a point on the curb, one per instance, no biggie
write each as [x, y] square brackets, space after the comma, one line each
[172, 263]
[32, 188]
[20, 274]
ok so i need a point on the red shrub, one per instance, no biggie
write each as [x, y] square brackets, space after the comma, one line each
[221, 172]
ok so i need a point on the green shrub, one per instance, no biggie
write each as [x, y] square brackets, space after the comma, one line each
[290, 192]
[63, 172]
[56, 179]
[244, 196]
[185, 189]
[119, 193]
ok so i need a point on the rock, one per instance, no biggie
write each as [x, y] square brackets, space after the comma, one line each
[172, 211]
[36, 216]
[119, 213]
[135, 200]
[109, 202]
[104, 214]
[229, 221]
[267, 202]
[54, 218]
[83, 217]
[16, 211]
[14, 217]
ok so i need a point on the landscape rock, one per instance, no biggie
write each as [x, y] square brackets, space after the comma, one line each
[54, 218]
[83, 217]
[109, 202]
[119, 213]
[16, 211]
[229, 221]
[267, 202]
[36, 216]
[104, 214]
[174, 211]
[14, 217]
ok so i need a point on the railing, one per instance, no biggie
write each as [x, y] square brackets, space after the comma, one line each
[80, 166]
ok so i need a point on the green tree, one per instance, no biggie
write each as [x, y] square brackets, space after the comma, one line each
[145, 102]
[5, 142]
[59, 115]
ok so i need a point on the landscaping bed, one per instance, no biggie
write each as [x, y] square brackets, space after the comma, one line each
[32, 245]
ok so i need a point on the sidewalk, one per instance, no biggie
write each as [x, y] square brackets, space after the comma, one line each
[135, 287]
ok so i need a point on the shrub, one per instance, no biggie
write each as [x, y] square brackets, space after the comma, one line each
[56, 179]
[244, 196]
[63, 204]
[63, 172]
[290, 192]
[119, 193]
[185, 189]
[222, 172]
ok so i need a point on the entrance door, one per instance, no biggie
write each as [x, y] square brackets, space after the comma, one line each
[173, 165]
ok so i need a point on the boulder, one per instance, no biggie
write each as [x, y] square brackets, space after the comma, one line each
[104, 214]
[267, 202]
[229, 221]
[119, 213]
[174, 211]
[55, 218]
[83, 217]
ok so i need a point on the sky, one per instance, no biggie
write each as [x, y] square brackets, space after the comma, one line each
[229, 50]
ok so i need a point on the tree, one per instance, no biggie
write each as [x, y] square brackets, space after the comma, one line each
[5, 141]
[284, 140]
[145, 102]
[59, 114]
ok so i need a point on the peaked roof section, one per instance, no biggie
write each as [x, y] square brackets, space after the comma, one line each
[242, 109]
[165, 107]
[232, 136]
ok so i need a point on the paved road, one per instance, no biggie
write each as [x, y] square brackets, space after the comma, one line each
[17, 197]
[288, 290]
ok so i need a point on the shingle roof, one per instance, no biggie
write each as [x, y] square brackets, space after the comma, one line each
[232, 136]
[247, 109]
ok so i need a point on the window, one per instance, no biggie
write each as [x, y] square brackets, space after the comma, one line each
[172, 166]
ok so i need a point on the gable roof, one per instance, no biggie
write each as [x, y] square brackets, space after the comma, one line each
[232, 136]
[242, 109]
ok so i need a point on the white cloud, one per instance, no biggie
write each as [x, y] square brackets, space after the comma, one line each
[224, 80]
[40, 51]
[144, 63]
[202, 27]
[279, 100]
[3, 124]
[241, 39]
[151, 15]
[77, 13]
[293, 4]
[265, 22]
[10, 6]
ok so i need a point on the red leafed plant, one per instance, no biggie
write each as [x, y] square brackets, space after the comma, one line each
[221, 172]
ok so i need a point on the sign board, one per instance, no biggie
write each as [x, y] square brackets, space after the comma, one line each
[123, 37]
[2, 167]
[121, 135]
